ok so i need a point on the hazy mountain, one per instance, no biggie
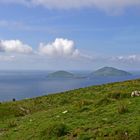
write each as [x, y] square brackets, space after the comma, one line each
[61, 74]
[110, 71]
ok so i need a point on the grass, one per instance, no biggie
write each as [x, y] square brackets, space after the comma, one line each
[122, 107]
[105, 112]
[55, 130]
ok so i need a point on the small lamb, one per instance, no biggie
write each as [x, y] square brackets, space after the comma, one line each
[135, 94]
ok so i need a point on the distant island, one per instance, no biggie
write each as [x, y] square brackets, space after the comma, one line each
[110, 71]
[61, 74]
[105, 71]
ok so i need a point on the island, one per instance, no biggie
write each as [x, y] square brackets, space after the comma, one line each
[61, 74]
[110, 71]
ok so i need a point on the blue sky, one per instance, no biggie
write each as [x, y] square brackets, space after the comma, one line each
[50, 34]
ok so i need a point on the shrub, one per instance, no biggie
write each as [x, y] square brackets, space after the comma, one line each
[54, 130]
[37, 101]
[21, 111]
[82, 109]
[80, 104]
[118, 95]
[103, 101]
[138, 131]
[84, 137]
[81, 134]
[114, 95]
[64, 101]
[121, 134]
[122, 107]
[12, 124]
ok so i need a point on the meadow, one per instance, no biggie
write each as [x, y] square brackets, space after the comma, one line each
[105, 112]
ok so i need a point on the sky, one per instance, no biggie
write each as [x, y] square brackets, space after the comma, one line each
[69, 35]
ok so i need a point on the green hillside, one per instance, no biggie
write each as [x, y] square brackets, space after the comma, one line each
[110, 71]
[105, 112]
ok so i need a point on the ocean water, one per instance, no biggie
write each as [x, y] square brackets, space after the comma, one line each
[28, 84]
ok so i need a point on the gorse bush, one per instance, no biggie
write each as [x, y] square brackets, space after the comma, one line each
[54, 130]
[121, 134]
[103, 101]
[64, 101]
[114, 95]
[12, 123]
[80, 104]
[21, 111]
[122, 107]
[138, 130]
[118, 95]
[84, 137]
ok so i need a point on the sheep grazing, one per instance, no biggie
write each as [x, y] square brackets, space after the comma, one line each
[135, 94]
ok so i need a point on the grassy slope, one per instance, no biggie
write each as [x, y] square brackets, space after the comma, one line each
[98, 112]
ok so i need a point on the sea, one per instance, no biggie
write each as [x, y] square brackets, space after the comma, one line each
[30, 84]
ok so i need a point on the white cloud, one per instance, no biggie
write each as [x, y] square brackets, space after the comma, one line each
[85, 3]
[14, 46]
[107, 5]
[59, 48]
[127, 59]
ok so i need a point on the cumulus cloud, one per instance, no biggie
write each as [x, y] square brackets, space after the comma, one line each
[59, 48]
[67, 4]
[14, 46]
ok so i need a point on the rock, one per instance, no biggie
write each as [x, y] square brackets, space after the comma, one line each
[64, 112]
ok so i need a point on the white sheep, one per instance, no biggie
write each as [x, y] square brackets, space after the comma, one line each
[135, 94]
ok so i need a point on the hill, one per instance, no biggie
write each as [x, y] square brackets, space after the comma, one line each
[110, 71]
[61, 74]
[105, 112]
